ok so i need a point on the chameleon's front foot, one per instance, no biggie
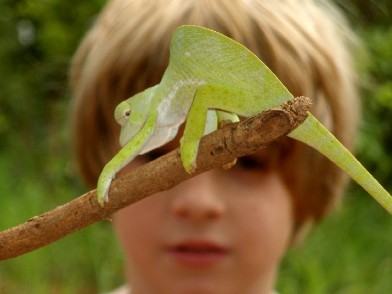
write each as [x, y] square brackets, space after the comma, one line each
[103, 186]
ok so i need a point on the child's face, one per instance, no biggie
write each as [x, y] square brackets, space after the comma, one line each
[219, 232]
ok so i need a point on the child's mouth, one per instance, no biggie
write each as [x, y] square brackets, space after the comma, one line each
[197, 253]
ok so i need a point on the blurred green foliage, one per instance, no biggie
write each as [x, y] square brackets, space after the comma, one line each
[349, 253]
[376, 137]
[373, 23]
[37, 39]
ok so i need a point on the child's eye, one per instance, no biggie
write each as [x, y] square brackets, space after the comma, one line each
[250, 170]
[154, 154]
[251, 164]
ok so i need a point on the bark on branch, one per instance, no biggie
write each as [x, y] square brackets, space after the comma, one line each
[216, 149]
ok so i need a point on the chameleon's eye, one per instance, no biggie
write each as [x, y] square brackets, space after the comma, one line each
[127, 113]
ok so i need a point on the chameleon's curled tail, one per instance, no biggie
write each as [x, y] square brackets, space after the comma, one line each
[314, 134]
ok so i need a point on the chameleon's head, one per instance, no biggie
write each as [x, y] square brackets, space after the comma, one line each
[132, 114]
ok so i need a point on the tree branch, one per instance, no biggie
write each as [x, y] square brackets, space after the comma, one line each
[216, 149]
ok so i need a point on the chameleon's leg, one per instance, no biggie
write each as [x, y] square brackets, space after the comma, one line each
[213, 120]
[314, 134]
[214, 97]
[122, 158]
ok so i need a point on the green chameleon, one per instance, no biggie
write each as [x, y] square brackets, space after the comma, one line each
[210, 79]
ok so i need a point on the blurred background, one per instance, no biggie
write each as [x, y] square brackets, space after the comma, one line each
[350, 252]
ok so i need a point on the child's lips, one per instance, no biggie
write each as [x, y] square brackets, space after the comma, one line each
[197, 253]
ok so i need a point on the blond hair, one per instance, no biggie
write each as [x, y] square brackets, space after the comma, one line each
[306, 43]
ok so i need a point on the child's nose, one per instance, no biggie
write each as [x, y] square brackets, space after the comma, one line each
[199, 200]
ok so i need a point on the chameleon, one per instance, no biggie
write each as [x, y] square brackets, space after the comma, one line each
[211, 79]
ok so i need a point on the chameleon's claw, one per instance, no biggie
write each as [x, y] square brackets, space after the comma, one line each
[103, 190]
[230, 164]
[188, 153]
[102, 199]
[190, 169]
